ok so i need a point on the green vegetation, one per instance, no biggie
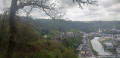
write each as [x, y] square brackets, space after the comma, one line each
[30, 43]
[62, 25]
[43, 49]
[119, 42]
[33, 38]
[106, 40]
[73, 42]
[111, 32]
[112, 50]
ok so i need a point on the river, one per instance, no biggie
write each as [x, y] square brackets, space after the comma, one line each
[98, 47]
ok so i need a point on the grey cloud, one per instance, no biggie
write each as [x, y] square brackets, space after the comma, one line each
[67, 3]
[94, 9]
[109, 3]
[114, 8]
[114, 14]
[107, 10]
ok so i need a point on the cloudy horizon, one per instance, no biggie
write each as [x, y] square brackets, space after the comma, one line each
[107, 10]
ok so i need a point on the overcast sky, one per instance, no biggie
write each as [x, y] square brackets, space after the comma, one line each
[107, 10]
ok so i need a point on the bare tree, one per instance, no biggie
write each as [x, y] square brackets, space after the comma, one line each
[86, 2]
[15, 6]
[28, 11]
[51, 9]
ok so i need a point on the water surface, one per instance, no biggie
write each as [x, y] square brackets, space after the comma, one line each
[98, 47]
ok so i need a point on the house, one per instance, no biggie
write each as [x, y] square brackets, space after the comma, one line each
[115, 44]
[118, 50]
[107, 35]
[109, 45]
[70, 34]
[64, 35]
[117, 37]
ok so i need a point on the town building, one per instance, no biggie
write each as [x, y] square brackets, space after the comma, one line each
[108, 45]
[118, 50]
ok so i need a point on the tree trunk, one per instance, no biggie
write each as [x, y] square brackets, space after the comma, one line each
[13, 30]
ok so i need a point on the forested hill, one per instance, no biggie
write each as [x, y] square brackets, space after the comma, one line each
[62, 25]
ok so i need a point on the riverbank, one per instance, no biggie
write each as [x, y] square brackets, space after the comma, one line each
[98, 47]
[95, 52]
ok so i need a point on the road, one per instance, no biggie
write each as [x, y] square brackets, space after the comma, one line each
[87, 43]
[85, 48]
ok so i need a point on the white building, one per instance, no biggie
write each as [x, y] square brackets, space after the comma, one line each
[118, 50]
[109, 45]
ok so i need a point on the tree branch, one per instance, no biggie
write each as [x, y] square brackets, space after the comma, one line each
[22, 5]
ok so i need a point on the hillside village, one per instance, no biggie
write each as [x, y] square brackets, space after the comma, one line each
[109, 42]
[64, 35]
